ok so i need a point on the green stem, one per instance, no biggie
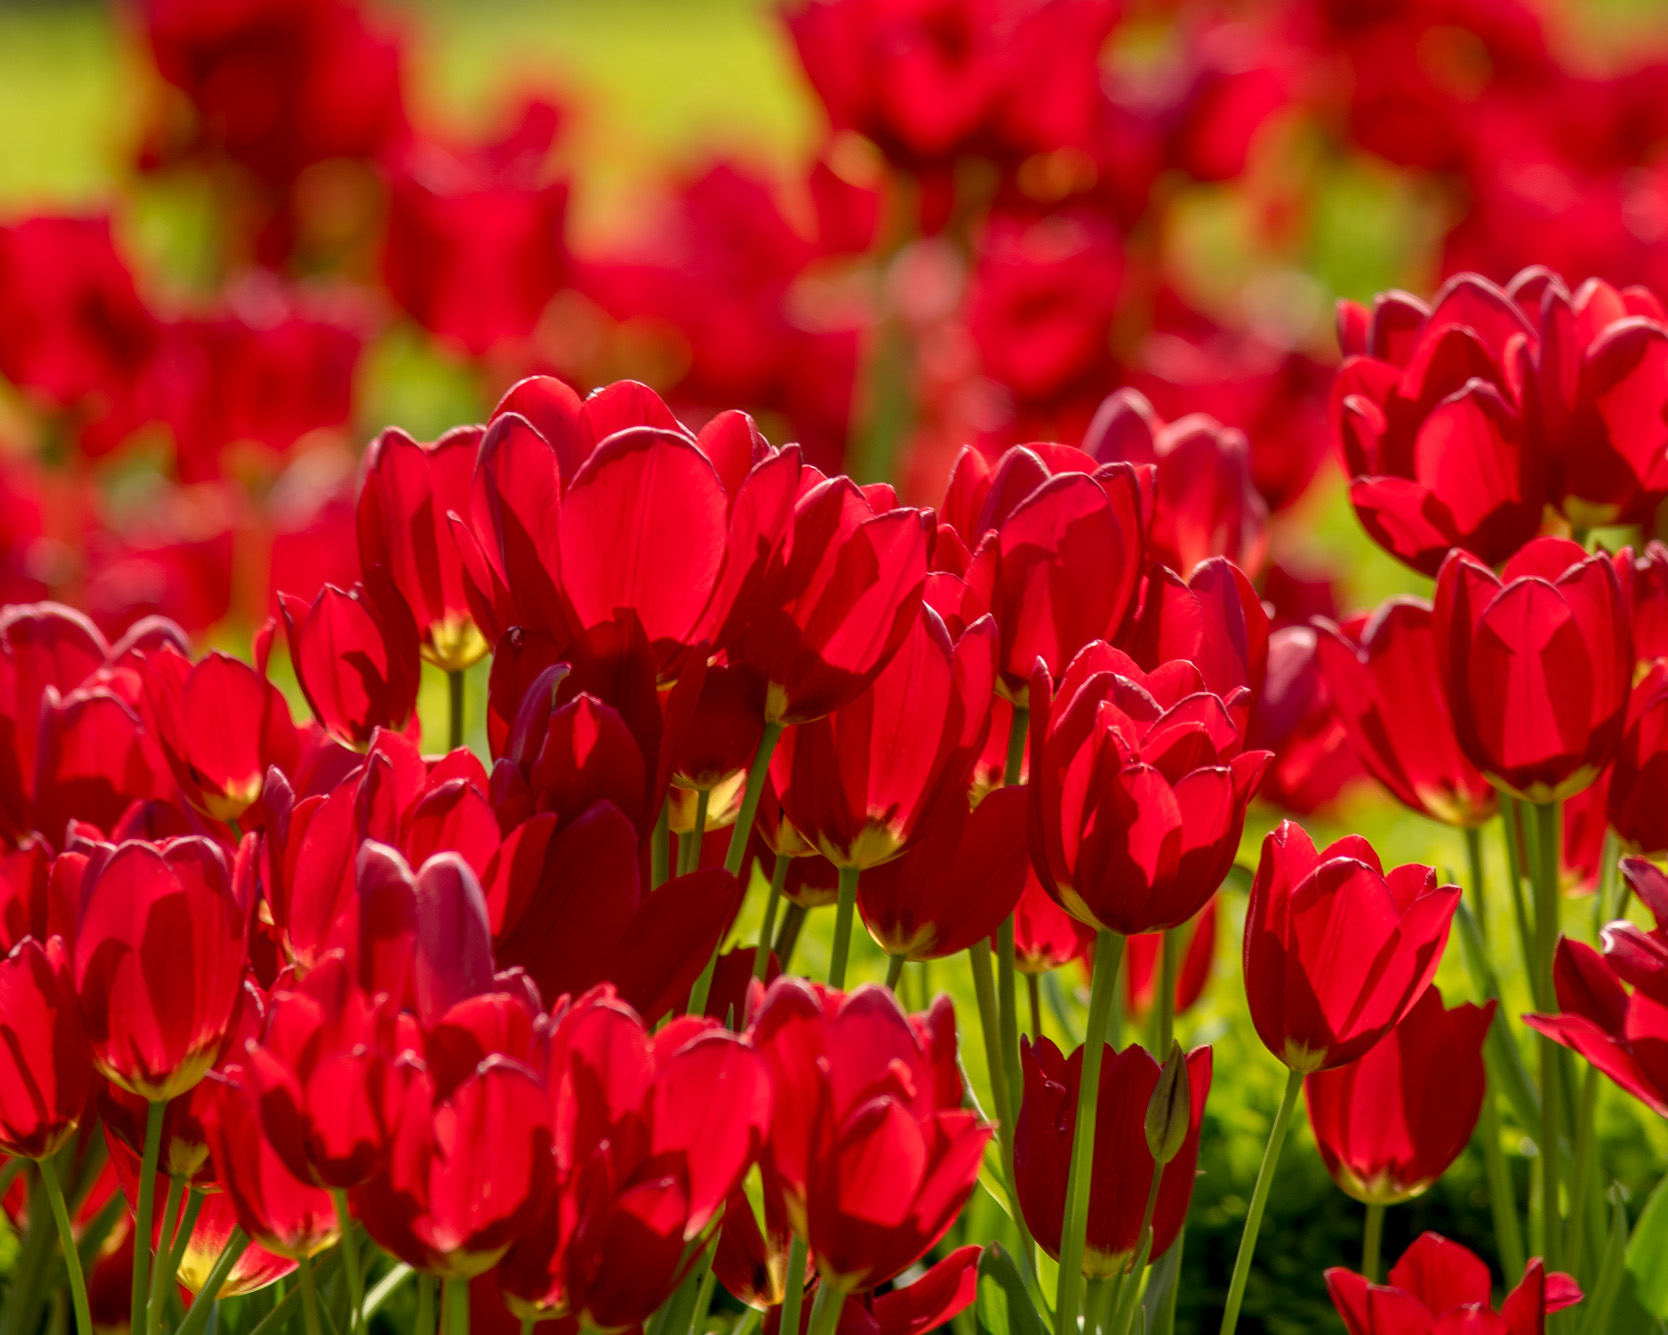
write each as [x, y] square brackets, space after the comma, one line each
[66, 1238]
[787, 935]
[203, 1303]
[455, 1307]
[1007, 1000]
[984, 990]
[703, 1298]
[660, 847]
[1167, 993]
[1098, 1296]
[1502, 1197]
[894, 970]
[1546, 936]
[1033, 987]
[187, 1226]
[350, 1260]
[309, 1292]
[1130, 1293]
[689, 845]
[825, 1312]
[385, 1289]
[1511, 827]
[454, 731]
[794, 1300]
[1474, 853]
[160, 1274]
[1259, 1201]
[761, 953]
[750, 797]
[1372, 1242]
[842, 926]
[424, 1324]
[142, 1215]
[20, 1312]
[1586, 1148]
[1018, 730]
[1109, 953]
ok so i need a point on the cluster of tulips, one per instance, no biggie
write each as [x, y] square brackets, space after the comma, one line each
[291, 999]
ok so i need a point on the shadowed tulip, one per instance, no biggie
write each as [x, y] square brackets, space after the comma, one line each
[1439, 1286]
[927, 1302]
[1390, 1124]
[159, 951]
[1634, 784]
[1123, 1164]
[46, 1071]
[355, 660]
[1317, 1007]
[874, 1153]
[1138, 789]
[1213, 619]
[1143, 957]
[1045, 935]
[1536, 664]
[94, 758]
[1313, 764]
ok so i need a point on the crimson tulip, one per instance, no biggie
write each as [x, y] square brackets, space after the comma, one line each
[1644, 577]
[158, 961]
[1438, 1285]
[1313, 762]
[28, 906]
[1059, 540]
[1633, 784]
[1045, 935]
[712, 750]
[405, 493]
[653, 1133]
[94, 759]
[1213, 619]
[1314, 1007]
[1142, 958]
[1388, 695]
[874, 1153]
[859, 783]
[45, 1065]
[928, 1302]
[1138, 789]
[356, 661]
[1123, 1165]
[1536, 664]
[1390, 1124]
[1206, 503]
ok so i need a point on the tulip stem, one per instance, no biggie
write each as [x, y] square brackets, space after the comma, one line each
[1018, 730]
[978, 956]
[160, 1274]
[454, 731]
[756, 775]
[1585, 1152]
[825, 1311]
[1474, 852]
[1033, 986]
[1512, 830]
[187, 1226]
[66, 1237]
[894, 970]
[1098, 1297]
[1546, 936]
[139, 1317]
[1372, 1241]
[1259, 1201]
[794, 1300]
[1007, 1001]
[309, 1296]
[454, 1306]
[660, 847]
[761, 953]
[1129, 1290]
[203, 1303]
[842, 926]
[787, 936]
[350, 1260]
[1167, 992]
[689, 845]
[424, 1324]
[1508, 1236]
[1109, 953]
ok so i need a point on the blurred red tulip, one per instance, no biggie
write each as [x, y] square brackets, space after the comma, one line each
[1389, 1125]
[874, 1153]
[1123, 1164]
[1438, 1286]
[355, 660]
[1389, 698]
[1143, 956]
[1314, 763]
[1314, 1008]
[46, 1071]
[1536, 665]
[1138, 789]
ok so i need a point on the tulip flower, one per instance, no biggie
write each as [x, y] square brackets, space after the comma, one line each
[1214, 620]
[1141, 971]
[405, 494]
[356, 661]
[45, 1065]
[1536, 665]
[928, 1302]
[653, 1134]
[1390, 1124]
[1061, 542]
[28, 906]
[874, 1153]
[1045, 935]
[1313, 764]
[1387, 694]
[1439, 1286]
[1123, 1164]
[1206, 503]
[1645, 579]
[158, 960]
[94, 759]
[1138, 790]
[1634, 783]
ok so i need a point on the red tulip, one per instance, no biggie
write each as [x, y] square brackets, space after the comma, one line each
[859, 783]
[1138, 789]
[869, 1140]
[927, 1302]
[405, 493]
[1622, 1033]
[1426, 412]
[836, 605]
[1059, 541]
[652, 1135]
[957, 885]
[1390, 1124]
[1313, 762]
[712, 750]
[159, 949]
[1206, 503]
[1317, 1008]
[94, 759]
[283, 1213]
[220, 724]
[1388, 695]
[356, 661]
[45, 1066]
[1123, 1165]
[1045, 935]
[28, 904]
[1634, 783]
[1439, 1286]
[751, 1261]
[1143, 956]
[1214, 620]
[1536, 665]
[1645, 579]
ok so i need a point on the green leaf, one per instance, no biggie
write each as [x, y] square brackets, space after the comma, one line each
[1158, 1303]
[1595, 1308]
[1003, 1306]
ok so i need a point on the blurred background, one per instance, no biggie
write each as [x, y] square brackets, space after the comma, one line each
[240, 237]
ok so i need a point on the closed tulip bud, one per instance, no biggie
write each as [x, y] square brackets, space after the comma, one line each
[1536, 664]
[46, 1071]
[1169, 1110]
[1314, 1007]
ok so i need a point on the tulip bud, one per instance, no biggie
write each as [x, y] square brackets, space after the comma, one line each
[1170, 1109]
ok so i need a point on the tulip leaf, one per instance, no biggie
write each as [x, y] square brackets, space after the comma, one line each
[1645, 1252]
[1003, 1306]
[1158, 1303]
[1595, 1309]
